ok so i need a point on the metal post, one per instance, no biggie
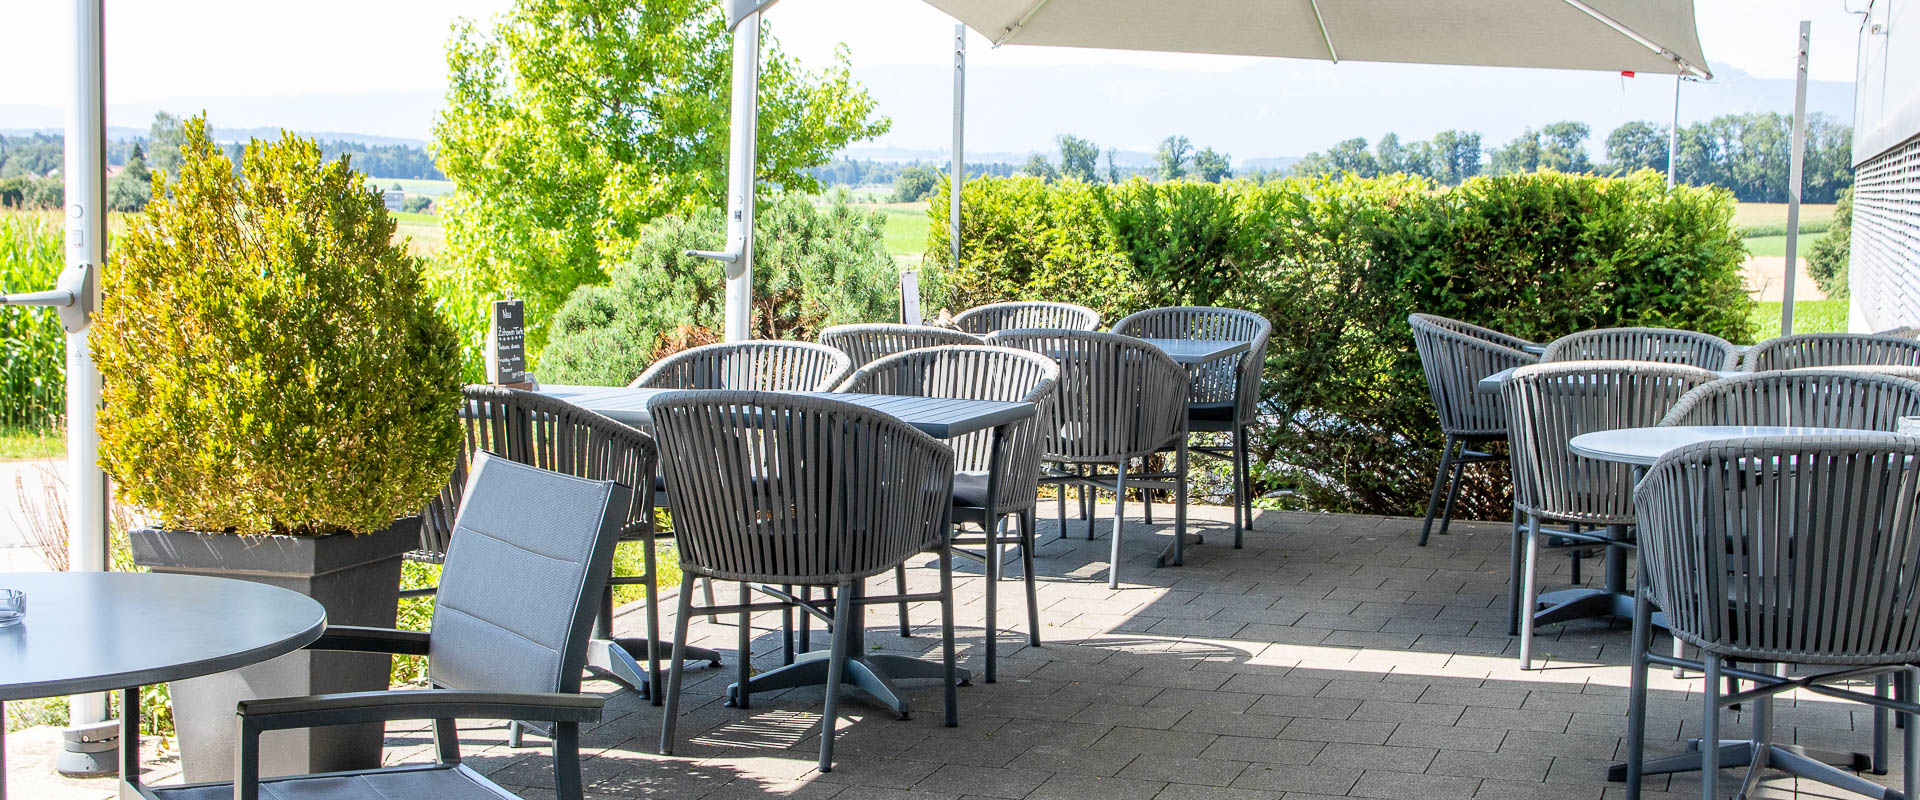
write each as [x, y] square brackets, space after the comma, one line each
[741, 166]
[959, 171]
[1793, 179]
[90, 740]
[1673, 135]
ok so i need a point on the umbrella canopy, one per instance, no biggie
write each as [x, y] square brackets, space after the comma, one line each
[1639, 35]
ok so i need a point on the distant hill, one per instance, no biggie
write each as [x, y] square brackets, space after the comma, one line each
[232, 135]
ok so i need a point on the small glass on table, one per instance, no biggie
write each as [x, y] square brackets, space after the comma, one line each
[13, 607]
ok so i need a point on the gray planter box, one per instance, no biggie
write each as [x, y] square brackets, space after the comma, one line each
[357, 580]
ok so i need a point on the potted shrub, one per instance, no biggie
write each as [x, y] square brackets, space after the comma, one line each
[281, 400]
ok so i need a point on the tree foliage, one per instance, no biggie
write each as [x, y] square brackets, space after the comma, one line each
[269, 360]
[1827, 259]
[915, 183]
[570, 124]
[1175, 151]
[1211, 165]
[1079, 158]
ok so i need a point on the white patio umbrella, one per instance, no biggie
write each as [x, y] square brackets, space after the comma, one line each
[1656, 36]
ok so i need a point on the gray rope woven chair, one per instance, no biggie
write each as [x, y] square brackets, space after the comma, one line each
[551, 434]
[1548, 405]
[1743, 552]
[1026, 314]
[761, 365]
[1662, 345]
[1119, 399]
[1833, 350]
[1455, 355]
[803, 491]
[487, 658]
[979, 372]
[865, 344]
[1222, 397]
[1817, 398]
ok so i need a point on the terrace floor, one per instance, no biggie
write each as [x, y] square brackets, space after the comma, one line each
[1329, 658]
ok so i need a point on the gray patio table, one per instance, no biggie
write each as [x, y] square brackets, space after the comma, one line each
[1493, 383]
[939, 417]
[1192, 354]
[118, 631]
[1640, 448]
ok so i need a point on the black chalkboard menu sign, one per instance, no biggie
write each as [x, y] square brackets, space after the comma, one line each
[506, 343]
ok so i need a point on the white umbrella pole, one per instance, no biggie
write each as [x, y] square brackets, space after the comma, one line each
[1673, 134]
[958, 174]
[740, 176]
[1794, 179]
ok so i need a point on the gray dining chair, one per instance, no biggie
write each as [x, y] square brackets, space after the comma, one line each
[1026, 314]
[1819, 398]
[1119, 399]
[530, 554]
[1833, 350]
[864, 344]
[1743, 553]
[980, 372]
[1547, 405]
[1223, 396]
[801, 491]
[765, 365]
[1455, 355]
[1662, 345]
[549, 433]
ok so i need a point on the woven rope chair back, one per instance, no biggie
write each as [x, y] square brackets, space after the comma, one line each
[1026, 314]
[1216, 382]
[759, 366]
[1832, 350]
[1791, 549]
[865, 344]
[548, 538]
[978, 372]
[1549, 404]
[1119, 397]
[790, 489]
[1818, 398]
[1662, 345]
[1455, 355]
[551, 434]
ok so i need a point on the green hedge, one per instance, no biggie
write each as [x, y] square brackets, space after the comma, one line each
[1337, 265]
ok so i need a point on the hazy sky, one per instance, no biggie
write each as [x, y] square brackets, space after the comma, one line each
[236, 48]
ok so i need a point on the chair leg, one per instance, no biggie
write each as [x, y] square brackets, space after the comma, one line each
[1530, 591]
[677, 665]
[1439, 486]
[805, 643]
[992, 599]
[1146, 495]
[1880, 716]
[708, 588]
[836, 672]
[1119, 517]
[652, 591]
[1453, 489]
[1060, 501]
[900, 587]
[1515, 548]
[1637, 691]
[1027, 536]
[1910, 751]
[1086, 508]
[948, 659]
[742, 700]
[1243, 505]
[566, 760]
[1710, 729]
[786, 630]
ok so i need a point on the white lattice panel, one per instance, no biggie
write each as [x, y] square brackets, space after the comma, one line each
[1884, 273]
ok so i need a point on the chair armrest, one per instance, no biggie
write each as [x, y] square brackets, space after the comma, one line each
[353, 638]
[348, 708]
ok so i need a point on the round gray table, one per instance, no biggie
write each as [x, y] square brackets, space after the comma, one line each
[102, 631]
[1641, 447]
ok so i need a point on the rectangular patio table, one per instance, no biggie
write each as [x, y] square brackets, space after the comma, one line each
[1493, 383]
[939, 417]
[1192, 354]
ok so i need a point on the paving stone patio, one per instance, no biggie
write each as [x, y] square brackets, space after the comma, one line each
[1329, 658]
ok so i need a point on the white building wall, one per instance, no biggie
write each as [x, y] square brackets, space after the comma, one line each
[1884, 271]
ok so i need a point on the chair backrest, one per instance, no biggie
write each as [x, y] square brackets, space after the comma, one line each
[865, 343]
[1549, 404]
[1235, 381]
[761, 365]
[1663, 345]
[1820, 398]
[794, 489]
[1119, 397]
[978, 372]
[1455, 355]
[530, 557]
[1026, 314]
[1794, 549]
[545, 432]
[1833, 350]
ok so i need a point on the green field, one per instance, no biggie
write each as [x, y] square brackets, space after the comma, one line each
[906, 228]
[1748, 215]
[1809, 316]
[17, 443]
[1776, 246]
[412, 186]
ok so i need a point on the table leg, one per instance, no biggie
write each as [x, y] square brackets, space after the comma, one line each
[3, 751]
[994, 566]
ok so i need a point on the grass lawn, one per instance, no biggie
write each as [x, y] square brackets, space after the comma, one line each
[19, 443]
[906, 227]
[1776, 246]
[413, 186]
[1746, 215]
[1809, 316]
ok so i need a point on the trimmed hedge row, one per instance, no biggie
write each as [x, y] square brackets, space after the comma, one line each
[1337, 264]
